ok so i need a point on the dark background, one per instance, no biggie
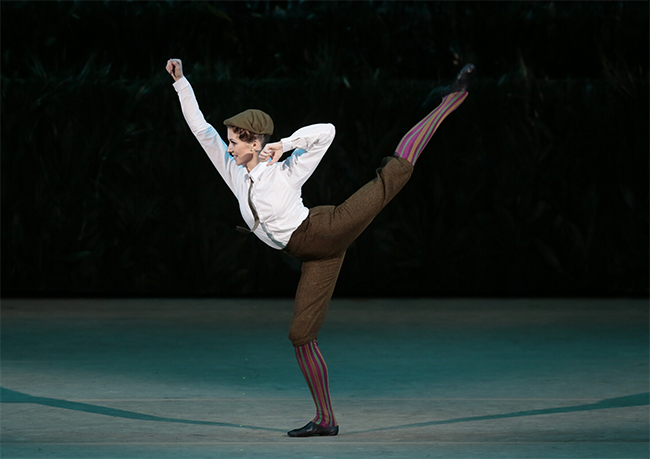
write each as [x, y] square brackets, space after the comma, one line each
[536, 186]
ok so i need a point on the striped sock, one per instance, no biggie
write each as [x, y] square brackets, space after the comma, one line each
[417, 138]
[314, 369]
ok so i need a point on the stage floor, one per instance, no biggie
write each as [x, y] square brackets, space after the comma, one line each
[410, 378]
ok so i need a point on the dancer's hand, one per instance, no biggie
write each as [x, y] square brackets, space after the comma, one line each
[273, 151]
[175, 68]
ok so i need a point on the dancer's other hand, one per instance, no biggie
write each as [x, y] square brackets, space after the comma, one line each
[175, 68]
[273, 151]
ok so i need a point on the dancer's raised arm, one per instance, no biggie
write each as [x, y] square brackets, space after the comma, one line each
[204, 132]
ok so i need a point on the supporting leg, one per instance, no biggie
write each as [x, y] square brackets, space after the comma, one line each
[313, 295]
[314, 292]
[314, 369]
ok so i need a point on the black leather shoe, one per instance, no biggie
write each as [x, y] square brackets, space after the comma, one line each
[312, 429]
[462, 80]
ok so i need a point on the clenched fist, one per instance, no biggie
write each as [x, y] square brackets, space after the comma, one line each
[175, 68]
[273, 151]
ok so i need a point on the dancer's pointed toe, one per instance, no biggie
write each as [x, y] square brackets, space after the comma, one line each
[311, 430]
[464, 76]
[462, 82]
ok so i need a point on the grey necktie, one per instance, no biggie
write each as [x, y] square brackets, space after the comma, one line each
[241, 229]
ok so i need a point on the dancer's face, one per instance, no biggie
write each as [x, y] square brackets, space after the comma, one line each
[244, 153]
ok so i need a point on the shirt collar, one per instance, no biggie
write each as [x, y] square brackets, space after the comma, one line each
[257, 171]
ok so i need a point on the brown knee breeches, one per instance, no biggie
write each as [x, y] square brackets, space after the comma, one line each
[322, 239]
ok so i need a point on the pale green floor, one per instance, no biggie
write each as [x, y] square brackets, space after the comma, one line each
[409, 378]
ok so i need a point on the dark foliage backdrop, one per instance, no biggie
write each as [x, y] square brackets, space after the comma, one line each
[538, 185]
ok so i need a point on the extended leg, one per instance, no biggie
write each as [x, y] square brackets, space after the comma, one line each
[417, 138]
[330, 230]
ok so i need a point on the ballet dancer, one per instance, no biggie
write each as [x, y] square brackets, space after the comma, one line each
[269, 195]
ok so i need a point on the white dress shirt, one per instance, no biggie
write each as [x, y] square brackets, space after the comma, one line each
[276, 191]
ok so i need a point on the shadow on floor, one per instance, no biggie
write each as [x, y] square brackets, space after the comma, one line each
[642, 399]
[12, 396]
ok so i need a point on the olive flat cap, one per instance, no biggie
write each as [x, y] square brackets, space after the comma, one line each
[255, 121]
